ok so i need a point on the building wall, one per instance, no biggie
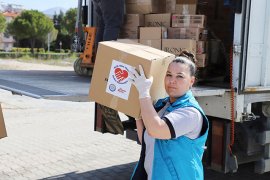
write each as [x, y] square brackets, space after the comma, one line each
[10, 12]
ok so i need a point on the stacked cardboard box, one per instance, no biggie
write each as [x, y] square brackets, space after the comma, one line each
[185, 28]
[197, 21]
[158, 20]
[154, 15]
[130, 29]
[148, 22]
[145, 6]
[219, 14]
[3, 132]
[151, 36]
[176, 46]
[181, 6]
[188, 32]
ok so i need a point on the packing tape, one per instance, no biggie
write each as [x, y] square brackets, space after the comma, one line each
[183, 33]
[143, 2]
[114, 102]
[185, 9]
[186, 20]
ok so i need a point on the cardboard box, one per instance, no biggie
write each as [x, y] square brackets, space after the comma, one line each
[134, 20]
[197, 21]
[201, 47]
[3, 132]
[201, 60]
[110, 85]
[129, 41]
[128, 32]
[181, 6]
[151, 33]
[158, 20]
[145, 6]
[155, 43]
[176, 46]
[187, 33]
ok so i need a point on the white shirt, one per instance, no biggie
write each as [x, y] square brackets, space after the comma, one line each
[185, 122]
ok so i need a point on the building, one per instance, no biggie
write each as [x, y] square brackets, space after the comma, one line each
[10, 11]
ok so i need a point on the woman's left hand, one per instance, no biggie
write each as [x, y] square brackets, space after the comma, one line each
[142, 84]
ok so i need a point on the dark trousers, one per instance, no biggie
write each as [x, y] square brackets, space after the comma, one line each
[110, 15]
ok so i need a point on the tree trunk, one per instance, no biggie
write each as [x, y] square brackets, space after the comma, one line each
[32, 42]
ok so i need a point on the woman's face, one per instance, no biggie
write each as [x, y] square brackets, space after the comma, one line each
[178, 80]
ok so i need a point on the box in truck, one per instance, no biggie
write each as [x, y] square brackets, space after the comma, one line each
[181, 6]
[237, 65]
[144, 6]
[176, 46]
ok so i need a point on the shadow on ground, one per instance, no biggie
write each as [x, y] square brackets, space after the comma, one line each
[124, 171]
[119, 172]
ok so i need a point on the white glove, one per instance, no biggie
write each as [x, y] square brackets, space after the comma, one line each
[142, 84]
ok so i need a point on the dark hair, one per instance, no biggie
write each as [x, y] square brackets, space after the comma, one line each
[187, 58]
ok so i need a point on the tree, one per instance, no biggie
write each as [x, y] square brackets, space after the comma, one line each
[2, 23]
[58, 22]
[32, 25]
[70, 20]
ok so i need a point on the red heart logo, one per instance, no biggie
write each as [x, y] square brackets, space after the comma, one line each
[120, 74]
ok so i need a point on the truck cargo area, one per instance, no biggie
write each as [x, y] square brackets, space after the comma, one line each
[220, 28]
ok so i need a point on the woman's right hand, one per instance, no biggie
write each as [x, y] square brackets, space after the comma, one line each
[142, 84]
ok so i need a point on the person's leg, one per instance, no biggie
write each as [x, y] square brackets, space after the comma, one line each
[113, 15]
[110, 14]
[100, 22]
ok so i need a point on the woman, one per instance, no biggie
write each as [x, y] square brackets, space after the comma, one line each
[173, 132]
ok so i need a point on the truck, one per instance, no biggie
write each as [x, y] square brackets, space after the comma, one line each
[233, 90]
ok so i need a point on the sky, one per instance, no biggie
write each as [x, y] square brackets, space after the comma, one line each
[42, 5]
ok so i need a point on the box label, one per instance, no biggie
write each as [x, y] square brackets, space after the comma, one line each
[118, 83]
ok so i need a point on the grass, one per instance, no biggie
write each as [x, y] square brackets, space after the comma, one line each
[68, 61]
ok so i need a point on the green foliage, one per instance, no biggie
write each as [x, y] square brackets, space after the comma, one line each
[16, 49]
[65, 39]
[40, 56]
[13, 55]
[58, 20]
[32, 25]
[67, 51]
[65, 24]
[2, 23]
[53, 35]
[33, 28]
[70, 20]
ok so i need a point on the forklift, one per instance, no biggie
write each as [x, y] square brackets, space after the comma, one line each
[106, 120]
[83, 41]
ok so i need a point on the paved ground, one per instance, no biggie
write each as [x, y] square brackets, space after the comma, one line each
[49, 139]
[55, 140]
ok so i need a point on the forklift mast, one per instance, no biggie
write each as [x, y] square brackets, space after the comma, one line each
[84, 39]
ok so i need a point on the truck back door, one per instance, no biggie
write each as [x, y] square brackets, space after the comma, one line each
[255, 67]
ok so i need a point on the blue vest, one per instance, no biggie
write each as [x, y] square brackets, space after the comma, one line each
[179, 158]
